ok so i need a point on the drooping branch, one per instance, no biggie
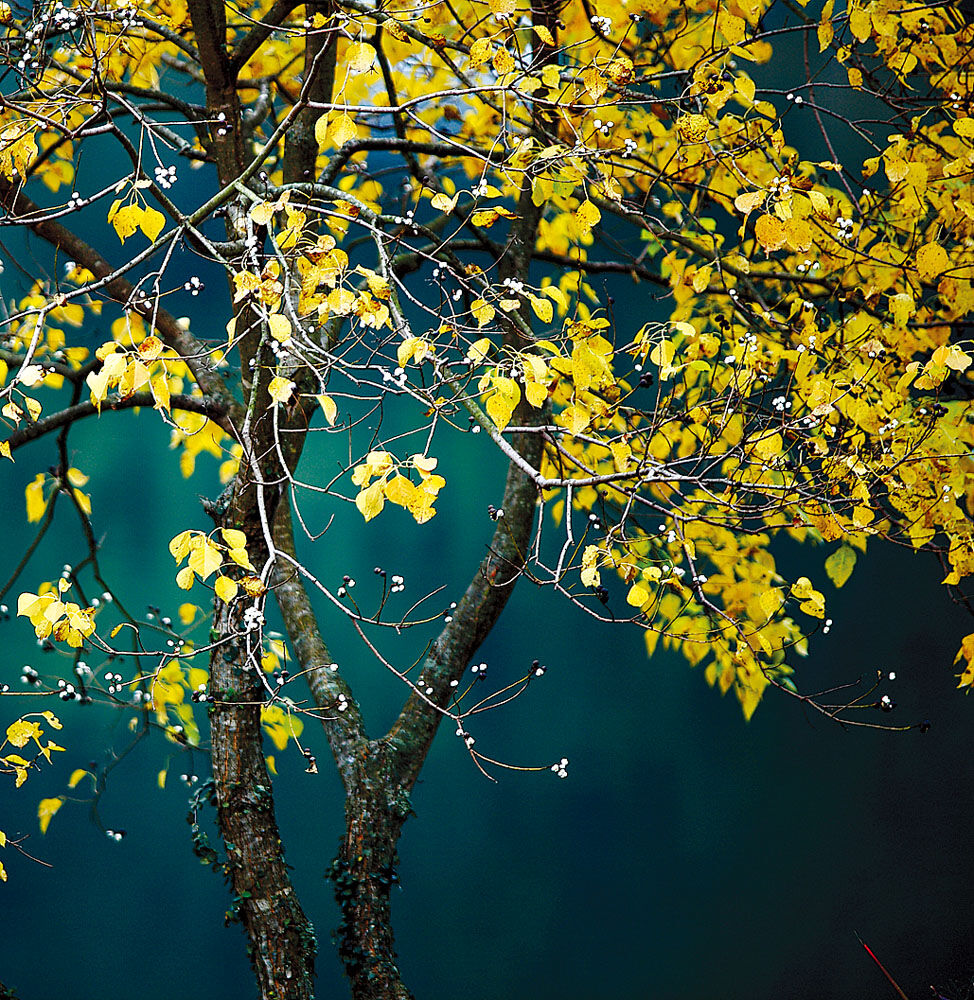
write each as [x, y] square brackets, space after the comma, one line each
[17, 205]
[72, 414]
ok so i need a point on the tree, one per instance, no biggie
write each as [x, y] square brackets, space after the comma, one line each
[424, 219]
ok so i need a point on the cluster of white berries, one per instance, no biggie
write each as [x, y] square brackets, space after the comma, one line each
[631, 146]
[494, 513]
[29, 676]
[125, 15]
[605, 127]
[808, 265]
[165, 176]
[67, 692]
[253, 619]
[342, 703]
[827, 627]
[397, 376]
[64, 18]
[561, 768]
[448, 614]
[423, 685]
[398, 584]
[844, 226]
[189, 779]
[781, 403]
[347, 584]
[797, 98]
[538, 668]
[603, 24]
[115, 835]
[465, 736]
[193, 285]
[514, 285]
[114, 682]
[480, 670]
[201, 694]
[222, 128]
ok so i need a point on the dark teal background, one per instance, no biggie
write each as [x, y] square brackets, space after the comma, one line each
[687, 855]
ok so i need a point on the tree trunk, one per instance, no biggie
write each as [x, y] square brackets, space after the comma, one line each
[365, 871]
[281, 939]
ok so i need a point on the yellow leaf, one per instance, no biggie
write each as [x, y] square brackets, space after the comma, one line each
[543, 309]
[544, 34]
[731, 26]
[280, 389]
[76, 776]
[370, 502]
[151, 222]
[771, 601]
[693, 128]
[125, 220]
[770, 232]
[161, 778]
[587, 215]
[477, 351]
[502, 8]
[329, 408]
[205, 558]
[343, 129]
[34, 493]
[234, 537]
[280, 327]
[185, 578]
[825, 29]
[480, 51]
[931, 261]
[46, 808]
[750, 200]
[179, 545]
[226, 589]
[187, 612]
[637, 596]
[483, 312]
[502, 401]
[443, 202]
[359, 57]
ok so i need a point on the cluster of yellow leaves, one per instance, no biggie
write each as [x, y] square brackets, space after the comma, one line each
[37, 502]
[281, 725]
[25, 730]
[205, 556]
[51, 616]
[381, 477]
[126, 219]
[129, 370]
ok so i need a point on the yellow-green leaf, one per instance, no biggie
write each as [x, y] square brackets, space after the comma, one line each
[840, 564]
